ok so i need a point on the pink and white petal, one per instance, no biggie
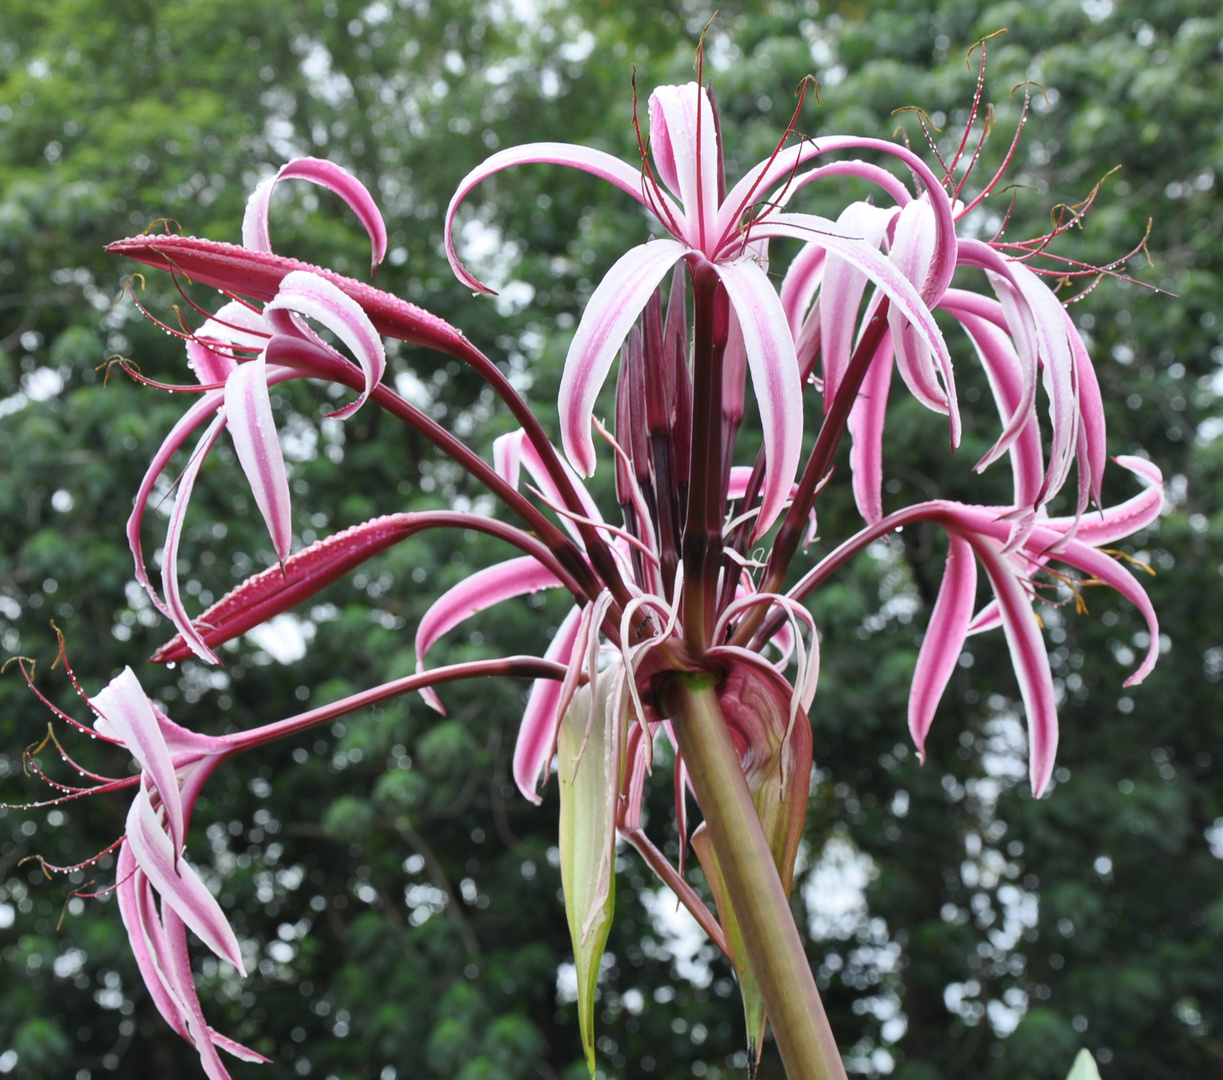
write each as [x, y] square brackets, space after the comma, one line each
[1021, 432]
[205, 407]
[1101, 566]
[944, 639]
[326, 174]
[248, 411]
[314, 296]
[1092, 446]
[683, 138]
[483, 589]
[804, 276]
[146, 935]
[866, 420]
[537, 733]
[775, 379]
[507, 456]
[841, 293]
[177, 883]
[904, 298]
[596, 162]
[1116, 522]
[179, 972]
[1029, 658]
[129, 716]
[759, 181]
[169, 568]
[609, 315]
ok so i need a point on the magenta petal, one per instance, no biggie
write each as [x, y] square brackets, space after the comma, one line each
[325, 174]
[146, 935]
[626, 177]
[866, 422]
[248, 410]
[204, 408]
[317, 298]
[944, 639]
[483, 589]
[841, 293]
[605, 324]
[129, 716]
[537, 732]
[169, 568]
[1029, 658]
[683, 137]
[775, 379]
[177, 883]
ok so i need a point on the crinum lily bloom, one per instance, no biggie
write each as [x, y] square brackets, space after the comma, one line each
[682, 623]
[161, 895]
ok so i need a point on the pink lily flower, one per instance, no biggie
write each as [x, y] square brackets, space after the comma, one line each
[680, 585]
[160, 894]
[722, 236]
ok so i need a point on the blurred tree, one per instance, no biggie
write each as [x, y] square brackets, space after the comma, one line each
[400, 897]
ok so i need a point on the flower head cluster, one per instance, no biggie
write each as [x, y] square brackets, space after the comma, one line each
[696, 574]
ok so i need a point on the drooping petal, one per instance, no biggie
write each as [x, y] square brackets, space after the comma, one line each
[841, 292]
[1029, 659]
[537, 731]
[138, 910]
[177, 883]
[944, 639]
[866, 421]
[248, 411]
[904, 297]
[326, 174]
[316, 297]
[174, 532]
[483, 589]
[775, 379]
[609, 315]
[624, 176]
[129, 716]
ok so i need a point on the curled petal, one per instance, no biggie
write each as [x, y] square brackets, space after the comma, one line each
[605, 324]
[325, 174]
[626, 177]
[248, 410]
[481, 590]
[316, 297]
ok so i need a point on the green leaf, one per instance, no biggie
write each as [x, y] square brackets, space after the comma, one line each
[590, 750]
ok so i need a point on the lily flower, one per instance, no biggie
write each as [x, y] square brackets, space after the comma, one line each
[682, 625]
[161, 895]
[723, 238]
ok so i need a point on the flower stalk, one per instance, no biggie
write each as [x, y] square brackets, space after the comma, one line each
[778, 959]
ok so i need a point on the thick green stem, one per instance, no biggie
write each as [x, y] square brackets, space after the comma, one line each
[774, 948]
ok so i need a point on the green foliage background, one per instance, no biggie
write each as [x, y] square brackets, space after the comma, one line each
[399, 898]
